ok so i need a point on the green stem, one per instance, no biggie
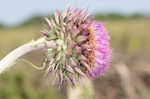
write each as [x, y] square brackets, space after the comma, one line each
[33, 65]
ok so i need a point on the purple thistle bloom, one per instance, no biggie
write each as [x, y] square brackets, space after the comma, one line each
[82, 45]
[101, 54]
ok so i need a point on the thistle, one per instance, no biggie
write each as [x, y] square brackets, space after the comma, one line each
[75, 47]
[81, 46]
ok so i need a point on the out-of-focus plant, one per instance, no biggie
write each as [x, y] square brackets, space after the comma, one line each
[82, 91]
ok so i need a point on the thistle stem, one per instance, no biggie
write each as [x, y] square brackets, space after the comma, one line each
[33, 65]
[9, 59]
[84, 90]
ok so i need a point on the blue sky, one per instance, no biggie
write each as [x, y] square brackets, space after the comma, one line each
[15, 11]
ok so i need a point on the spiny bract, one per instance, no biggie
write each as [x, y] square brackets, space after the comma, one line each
[82, 45]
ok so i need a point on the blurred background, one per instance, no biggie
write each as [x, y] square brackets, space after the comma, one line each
[128, 24]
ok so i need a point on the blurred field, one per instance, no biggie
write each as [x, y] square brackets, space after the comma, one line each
[130, 41]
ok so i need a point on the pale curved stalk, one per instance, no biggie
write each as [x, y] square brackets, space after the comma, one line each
[8, 60]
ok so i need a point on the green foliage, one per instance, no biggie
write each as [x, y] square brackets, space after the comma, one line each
[117, 16]
[33, 20]
[14, 87]
[129, 35]
[1, 26]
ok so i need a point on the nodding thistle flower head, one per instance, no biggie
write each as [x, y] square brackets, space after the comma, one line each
[82, 45]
